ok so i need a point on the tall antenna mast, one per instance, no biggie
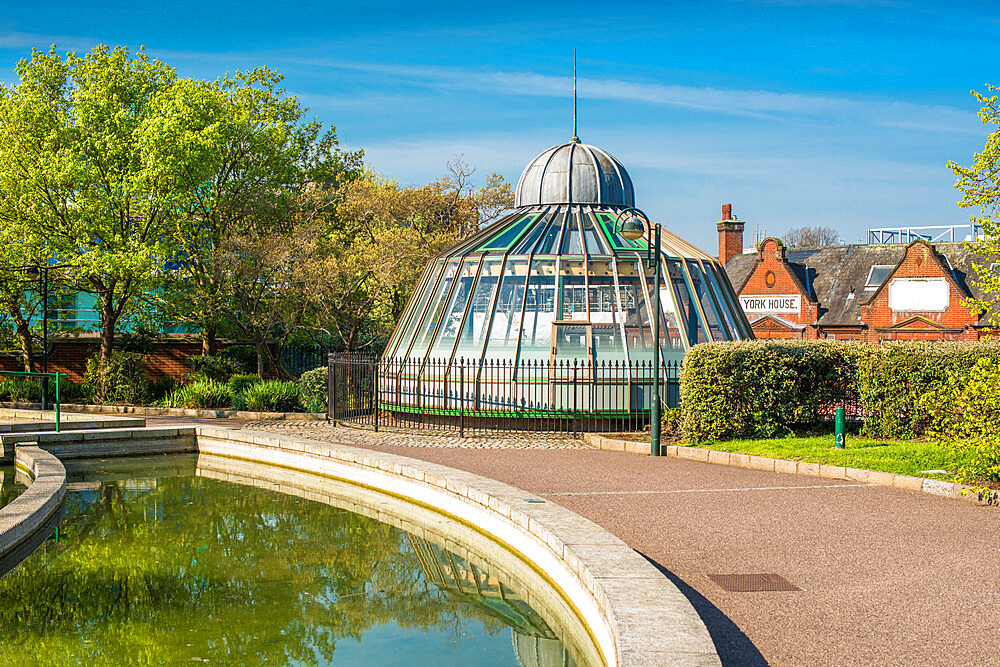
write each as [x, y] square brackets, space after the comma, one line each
[575, 138]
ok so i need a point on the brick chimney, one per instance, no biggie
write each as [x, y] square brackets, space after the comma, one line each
[730, 235]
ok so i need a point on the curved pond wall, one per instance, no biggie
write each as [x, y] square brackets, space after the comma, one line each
[633, 613]
[28, 519]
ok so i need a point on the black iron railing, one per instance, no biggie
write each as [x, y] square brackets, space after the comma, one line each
[497, 395]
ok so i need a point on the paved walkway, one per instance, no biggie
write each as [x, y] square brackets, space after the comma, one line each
[888, 577]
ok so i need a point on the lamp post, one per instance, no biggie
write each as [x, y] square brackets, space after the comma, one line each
[629, 224]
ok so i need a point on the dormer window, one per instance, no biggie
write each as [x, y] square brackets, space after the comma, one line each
[877, 276]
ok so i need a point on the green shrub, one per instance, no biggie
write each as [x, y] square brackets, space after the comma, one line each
[313, 389]
[162, 387]
[206, 394]
[120, 380]
[964, 412]
[239, 383]
[894, 377]
[245, 357]
[762, 389]
[670, 421]
[71, 392]
[216, 368]
[269, 396]
[20, 389]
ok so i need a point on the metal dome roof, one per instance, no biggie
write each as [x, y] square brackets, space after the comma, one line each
[574, 173]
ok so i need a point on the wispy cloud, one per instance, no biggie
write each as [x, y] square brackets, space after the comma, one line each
[733, 102]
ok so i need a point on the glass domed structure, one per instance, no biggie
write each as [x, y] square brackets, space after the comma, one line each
[554, 281]
[553, 286]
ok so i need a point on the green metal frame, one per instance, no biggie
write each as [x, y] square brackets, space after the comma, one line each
[43, 376]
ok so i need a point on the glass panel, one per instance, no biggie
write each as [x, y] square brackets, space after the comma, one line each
[527, 244]
[701, 288]
[456, 309]
[632, 302]
[571, 342]
[417, 313]
[430, 320]
[743, 327]
[470, 343]
[539, 310]
[605, 314]
[724, 303]
[573, 302]
[505, 239]
[671, 342]
[572, 243]
[596, 245]
[548, 243]
[688, 314]
[506, 327]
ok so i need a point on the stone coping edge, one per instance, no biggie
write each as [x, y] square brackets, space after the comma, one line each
[30, 511]
[935, 487]
[149, 411]
[44, 420]
[635, 614]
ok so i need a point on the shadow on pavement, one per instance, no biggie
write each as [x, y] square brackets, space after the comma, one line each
[734, 647]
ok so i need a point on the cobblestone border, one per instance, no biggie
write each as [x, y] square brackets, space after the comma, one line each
[636, 615]
[30, 511]
[935, 487]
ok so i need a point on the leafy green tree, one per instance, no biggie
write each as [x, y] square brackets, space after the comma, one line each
[382, 237]
[77, 170]
[234, 156]
[980, 186]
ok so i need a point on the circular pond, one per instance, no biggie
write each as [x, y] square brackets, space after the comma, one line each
[202, 559]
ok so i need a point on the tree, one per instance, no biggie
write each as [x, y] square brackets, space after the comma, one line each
[384, 235]
[76, 166]
[811, 237]
[235, 156]
[980, 186]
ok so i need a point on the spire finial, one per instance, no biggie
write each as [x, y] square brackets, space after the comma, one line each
[575, 138]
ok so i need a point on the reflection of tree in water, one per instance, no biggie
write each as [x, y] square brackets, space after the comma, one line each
[9, 488]
[179, 568]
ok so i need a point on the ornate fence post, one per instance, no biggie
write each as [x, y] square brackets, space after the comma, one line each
[461, 397]
[375, 401]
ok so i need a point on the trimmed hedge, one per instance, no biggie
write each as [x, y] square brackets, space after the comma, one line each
[762, 389]
[894, 377]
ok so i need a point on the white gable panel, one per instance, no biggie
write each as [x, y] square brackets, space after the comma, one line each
[919, 295]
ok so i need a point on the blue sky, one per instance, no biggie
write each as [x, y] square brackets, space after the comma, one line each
[832, 113]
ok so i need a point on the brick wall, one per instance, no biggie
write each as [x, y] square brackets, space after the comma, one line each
[954, 323]
[70, 355]
[773, 277]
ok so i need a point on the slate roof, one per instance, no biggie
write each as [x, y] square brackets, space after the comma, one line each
[831, 273]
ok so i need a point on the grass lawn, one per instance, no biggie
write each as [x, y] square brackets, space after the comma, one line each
[905, 457]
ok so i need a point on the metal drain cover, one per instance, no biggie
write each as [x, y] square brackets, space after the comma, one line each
[749, 583]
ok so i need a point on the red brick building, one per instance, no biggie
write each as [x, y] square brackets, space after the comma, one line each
[869, 293]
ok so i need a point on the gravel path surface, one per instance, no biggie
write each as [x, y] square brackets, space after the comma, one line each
[888, 577]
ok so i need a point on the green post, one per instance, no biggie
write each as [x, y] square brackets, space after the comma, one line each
[654, 412]
[841, 437]
[57, 403]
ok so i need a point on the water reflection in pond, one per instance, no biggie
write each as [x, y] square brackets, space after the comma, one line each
[162, 566]
[10, 486]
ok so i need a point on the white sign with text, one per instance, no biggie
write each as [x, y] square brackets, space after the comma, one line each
[778, 303]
